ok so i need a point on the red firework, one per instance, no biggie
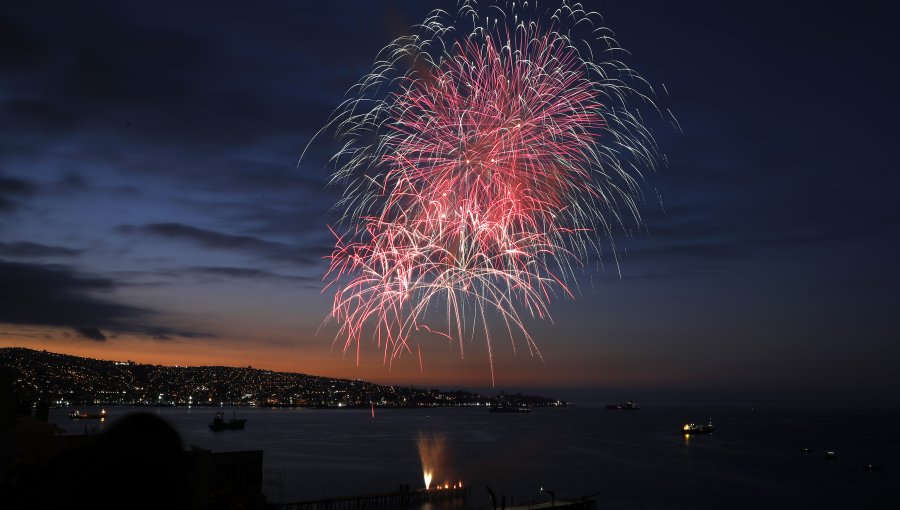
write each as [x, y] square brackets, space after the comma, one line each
[485, 183]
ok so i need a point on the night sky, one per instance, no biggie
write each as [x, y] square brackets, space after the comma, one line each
[152, 206]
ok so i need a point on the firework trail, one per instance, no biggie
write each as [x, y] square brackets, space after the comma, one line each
[484, 159]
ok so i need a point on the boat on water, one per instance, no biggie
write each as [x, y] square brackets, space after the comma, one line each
[509, 409]
[81, 415]
[628, 405]
[234, 423]
[693, 428]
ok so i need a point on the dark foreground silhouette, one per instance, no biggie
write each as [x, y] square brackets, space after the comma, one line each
[139, 462]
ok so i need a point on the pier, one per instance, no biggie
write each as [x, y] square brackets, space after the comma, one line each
[386, 500]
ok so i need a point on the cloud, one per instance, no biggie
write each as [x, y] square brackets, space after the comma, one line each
[23, 249]
[92, 333]
[219, 240]
[58, 295]
[7, 205]
[204, 237]
[71, 182]
[12, 190]
[166, 81]
[14, 186]
[248, 273]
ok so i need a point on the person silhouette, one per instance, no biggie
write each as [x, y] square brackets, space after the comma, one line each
[139, 462]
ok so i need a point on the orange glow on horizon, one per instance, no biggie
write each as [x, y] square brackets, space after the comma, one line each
[315, 357]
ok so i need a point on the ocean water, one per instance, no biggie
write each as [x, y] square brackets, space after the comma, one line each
[626, 459]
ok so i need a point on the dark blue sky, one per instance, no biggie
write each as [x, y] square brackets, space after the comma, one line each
[151, 205]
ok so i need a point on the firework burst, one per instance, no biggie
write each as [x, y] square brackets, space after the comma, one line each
[484, 159]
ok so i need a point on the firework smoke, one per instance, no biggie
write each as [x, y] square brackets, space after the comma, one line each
[484, 159]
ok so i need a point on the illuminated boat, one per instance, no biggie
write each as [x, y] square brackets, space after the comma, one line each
[219, 423]
[628, 405]
[80, 415]
[693, 428]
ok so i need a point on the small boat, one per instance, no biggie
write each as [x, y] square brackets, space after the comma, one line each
[693, 428]
[628, 405]
[80, 415]
[219, 423]
[805, 450]
[509, 409]
[830, 455]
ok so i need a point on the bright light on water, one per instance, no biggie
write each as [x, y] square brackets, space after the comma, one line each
[431, 451]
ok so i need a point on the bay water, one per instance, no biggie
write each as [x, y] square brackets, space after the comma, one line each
[623, 459]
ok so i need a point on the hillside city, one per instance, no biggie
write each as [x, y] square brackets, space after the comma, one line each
[61, 379]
